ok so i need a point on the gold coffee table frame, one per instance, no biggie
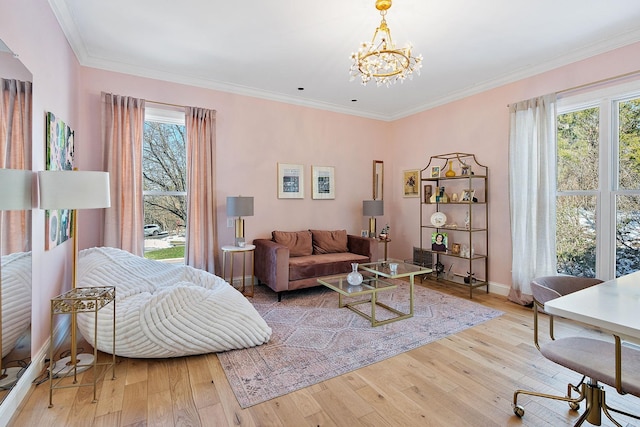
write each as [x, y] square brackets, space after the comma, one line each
[371, 285]
[383, 269]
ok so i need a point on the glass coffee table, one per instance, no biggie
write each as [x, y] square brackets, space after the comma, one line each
[403, 269]
[374, 281]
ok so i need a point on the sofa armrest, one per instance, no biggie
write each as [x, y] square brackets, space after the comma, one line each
[271, 264]
[363, 246]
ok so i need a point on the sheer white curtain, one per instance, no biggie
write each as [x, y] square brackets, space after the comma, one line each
[532, 174]
[201, 243]
[122, 133]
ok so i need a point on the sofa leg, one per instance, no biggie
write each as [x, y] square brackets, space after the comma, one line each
[279, 296]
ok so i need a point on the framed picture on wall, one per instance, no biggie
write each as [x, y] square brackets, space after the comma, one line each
[290, 181]
[323, 182]
[411, 183]
[60, 155]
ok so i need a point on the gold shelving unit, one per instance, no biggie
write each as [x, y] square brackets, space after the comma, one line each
[458, 184]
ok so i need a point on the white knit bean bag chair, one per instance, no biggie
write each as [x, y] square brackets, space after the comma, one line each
[165, 310]
[16, 298]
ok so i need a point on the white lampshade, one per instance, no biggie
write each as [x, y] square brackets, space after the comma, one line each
[15, 189]
[74, 189]
[372, 208]
[239, 206]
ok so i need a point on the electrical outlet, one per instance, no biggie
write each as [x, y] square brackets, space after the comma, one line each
[229, 222]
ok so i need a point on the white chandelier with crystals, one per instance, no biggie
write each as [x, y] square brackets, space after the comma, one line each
[380, 60]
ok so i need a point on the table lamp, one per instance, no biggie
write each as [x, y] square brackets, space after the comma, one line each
[372, 209]
[74, 190]
[239, 206]
[15, 195]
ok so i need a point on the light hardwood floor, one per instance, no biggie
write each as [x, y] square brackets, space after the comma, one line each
[466, 379]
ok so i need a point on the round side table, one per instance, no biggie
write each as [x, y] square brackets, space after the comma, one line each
[232, 250]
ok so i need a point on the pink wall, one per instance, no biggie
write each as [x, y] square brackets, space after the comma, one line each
[479, 124]
[253, 135]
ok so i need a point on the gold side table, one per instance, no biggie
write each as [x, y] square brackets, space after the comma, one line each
[244, 250]
[82, 300]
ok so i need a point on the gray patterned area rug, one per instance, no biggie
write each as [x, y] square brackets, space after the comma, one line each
[313, 340]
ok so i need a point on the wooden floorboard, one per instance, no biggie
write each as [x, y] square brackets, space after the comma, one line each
[466, 379]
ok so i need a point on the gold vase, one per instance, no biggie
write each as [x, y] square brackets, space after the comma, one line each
[450, 172]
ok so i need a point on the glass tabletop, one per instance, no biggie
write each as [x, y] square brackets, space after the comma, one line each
[369, 285]
[403, 269]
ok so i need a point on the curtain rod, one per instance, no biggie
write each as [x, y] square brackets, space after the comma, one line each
[166, 103]
[597, 82]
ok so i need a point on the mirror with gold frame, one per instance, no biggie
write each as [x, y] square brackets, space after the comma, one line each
[378, 180]
[15, 226]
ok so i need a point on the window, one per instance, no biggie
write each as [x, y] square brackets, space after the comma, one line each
[164, 172]
[598, 183]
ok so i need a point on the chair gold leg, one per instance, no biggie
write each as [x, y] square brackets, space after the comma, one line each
[574, 403]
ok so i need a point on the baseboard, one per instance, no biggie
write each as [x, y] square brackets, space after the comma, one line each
[499, 289]
[23, 387]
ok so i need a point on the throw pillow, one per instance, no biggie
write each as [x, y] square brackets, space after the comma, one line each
[298, 242]
[329, 242]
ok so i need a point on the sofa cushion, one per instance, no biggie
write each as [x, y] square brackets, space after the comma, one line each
[329, 242]
[298, 242]
[322, 265]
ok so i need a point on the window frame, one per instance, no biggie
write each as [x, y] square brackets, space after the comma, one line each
[607, 100]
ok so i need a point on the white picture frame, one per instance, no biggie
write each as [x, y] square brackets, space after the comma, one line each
[323, 182]
[290, 181]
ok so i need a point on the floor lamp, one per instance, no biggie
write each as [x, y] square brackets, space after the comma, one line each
[239, 206]
[74, 190]
[15, 195]
[372, 209]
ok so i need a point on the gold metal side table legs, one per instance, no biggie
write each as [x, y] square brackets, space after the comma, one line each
[81, 300]
[244, 250]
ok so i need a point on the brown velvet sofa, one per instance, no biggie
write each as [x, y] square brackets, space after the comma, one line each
[295, 259]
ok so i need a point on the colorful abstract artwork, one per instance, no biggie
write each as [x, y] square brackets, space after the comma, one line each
[60, 146]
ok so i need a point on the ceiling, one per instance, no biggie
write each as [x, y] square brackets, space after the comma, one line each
[270, 49]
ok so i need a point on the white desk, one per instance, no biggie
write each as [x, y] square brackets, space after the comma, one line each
[613, 306]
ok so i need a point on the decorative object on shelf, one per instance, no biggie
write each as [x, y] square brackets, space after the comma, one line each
[455, 249]
[439, 268]
[380, 59]
[467, 221]
[428, 191]
[467, 195]
[372, 209]
[439, 242]
[438, 219]
[450, 173]
[454, 197]
[239, 206]
[290, 181]
[464, 251]
[435, 172]
[355, 277]
[65, 189]
[465, 170]
[384, 233]
[324, 182]
[411, 183]
[378, 180]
